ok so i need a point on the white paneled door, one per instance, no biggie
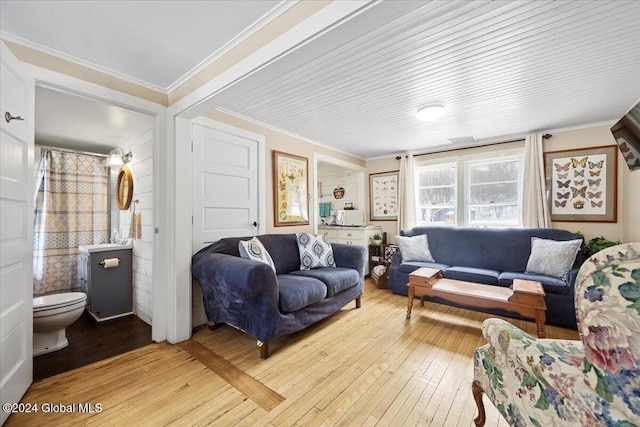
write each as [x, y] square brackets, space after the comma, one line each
[16, 248]
[226, 191]
[225, 183]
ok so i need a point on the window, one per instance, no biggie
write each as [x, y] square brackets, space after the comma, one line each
[470, 191]
[437, 194]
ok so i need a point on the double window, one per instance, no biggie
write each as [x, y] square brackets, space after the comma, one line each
[470, 191]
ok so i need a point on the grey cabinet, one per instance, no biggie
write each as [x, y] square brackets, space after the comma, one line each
[109, 289]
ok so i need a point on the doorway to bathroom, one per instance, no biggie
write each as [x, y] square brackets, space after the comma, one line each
[70, 123]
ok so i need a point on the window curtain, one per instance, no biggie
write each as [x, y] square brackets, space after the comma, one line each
[407, 193]
[71, 209]
[535, 209]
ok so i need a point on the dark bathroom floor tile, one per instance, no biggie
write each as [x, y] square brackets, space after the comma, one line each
[91, 341]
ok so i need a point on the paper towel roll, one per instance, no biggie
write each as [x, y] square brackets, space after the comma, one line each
[111, 262]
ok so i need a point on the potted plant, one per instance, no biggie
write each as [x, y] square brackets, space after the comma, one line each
[595, 245]
[376, 239]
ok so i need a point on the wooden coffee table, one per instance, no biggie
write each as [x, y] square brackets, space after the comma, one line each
[525, 297]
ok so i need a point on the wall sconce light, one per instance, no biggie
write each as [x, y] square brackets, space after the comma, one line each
[118, 158]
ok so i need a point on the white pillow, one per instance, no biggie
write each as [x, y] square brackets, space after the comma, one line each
[315, 251]
[414, 248]
[254, 250]
[551, 257]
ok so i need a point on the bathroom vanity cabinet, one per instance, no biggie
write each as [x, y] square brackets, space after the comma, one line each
[109, 288]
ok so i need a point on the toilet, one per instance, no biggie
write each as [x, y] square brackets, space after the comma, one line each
[51, 316]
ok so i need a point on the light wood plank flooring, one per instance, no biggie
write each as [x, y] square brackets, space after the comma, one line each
[365, 366]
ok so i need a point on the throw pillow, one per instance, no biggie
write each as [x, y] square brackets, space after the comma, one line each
[551, 257]
[415, 248]
[315, 251]
[254, 250]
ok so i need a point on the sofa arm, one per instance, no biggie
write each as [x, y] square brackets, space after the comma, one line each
[504, 337]
[350, 256]
[240, 292]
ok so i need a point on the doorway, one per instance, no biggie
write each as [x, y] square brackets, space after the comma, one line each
[69, 121]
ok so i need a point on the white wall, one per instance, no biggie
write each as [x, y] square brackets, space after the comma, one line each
[330, 180]
[142, 170]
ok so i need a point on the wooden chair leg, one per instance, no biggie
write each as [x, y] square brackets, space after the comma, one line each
[264, 349]
[358, 302]
[477, 396]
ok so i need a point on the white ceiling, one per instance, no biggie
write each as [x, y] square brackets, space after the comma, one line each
[70, 121]
[153, 42]
[502, 68]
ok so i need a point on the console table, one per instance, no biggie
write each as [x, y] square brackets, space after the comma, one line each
[525, 297]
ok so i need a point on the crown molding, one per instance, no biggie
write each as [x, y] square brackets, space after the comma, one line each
[260, 23]
[285, 132]
[75, 60]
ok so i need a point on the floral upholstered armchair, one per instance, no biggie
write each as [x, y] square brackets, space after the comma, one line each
[592, 382]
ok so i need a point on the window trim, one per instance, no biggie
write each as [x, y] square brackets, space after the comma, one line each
[462, 164]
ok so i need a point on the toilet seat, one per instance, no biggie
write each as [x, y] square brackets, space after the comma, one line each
[45, 305]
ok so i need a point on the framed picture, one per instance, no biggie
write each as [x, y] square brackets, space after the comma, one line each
[582, 184]
[383, 196]
[290, 192]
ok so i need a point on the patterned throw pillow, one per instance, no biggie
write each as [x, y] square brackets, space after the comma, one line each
[551, 257]
[414, 248]
[315, 251]
[254, 250]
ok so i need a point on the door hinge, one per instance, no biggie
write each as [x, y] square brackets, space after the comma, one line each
[192, 145]
[192, 221]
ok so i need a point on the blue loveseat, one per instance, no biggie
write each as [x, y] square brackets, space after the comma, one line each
[248, 294]
[492, 256]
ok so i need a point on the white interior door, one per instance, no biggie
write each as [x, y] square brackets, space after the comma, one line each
[226, 191]
[225, 185]
[16, 247]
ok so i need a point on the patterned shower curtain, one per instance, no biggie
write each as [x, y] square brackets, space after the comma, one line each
[71, 209]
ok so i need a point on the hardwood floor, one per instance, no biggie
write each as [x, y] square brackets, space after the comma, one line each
[366, 366]
[91, 341]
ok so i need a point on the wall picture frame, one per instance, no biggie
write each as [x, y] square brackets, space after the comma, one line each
[290, 189]
[383, 196]
[582, 184]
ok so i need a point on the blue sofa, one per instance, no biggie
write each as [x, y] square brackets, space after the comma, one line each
[248, 294]
[492, 256]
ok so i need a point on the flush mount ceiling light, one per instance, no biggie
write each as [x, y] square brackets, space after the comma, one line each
[117, 158]
[430, 113]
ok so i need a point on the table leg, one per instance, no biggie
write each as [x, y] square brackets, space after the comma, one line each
[412, 293]
[540, 321]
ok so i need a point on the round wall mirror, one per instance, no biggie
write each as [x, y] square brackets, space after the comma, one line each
[124, 188]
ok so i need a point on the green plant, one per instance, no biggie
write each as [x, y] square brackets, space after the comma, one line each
[596, 244]
[376, 237]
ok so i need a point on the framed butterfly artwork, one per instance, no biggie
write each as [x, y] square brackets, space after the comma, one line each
[582, 184]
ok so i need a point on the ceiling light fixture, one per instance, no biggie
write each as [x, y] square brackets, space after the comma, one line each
[117, 158]
[430, 113]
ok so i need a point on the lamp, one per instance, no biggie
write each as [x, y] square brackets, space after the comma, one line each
[430, 113]
[117, 158]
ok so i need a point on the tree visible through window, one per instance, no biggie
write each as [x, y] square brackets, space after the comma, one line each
[470, 192]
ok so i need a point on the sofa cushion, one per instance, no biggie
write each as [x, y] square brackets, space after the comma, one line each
[297, 292]
[255, 251]
[415, 248]
[283, 249]
[500, 249]
[470, 274]
[315, 251]
[551, 257]
[408, 267]
[551, 285]
[336, 279]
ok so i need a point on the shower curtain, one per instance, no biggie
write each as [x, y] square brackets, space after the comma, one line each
[71, 209]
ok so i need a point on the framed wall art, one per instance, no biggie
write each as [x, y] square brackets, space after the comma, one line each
[290, 192]
[383, 196]
[582, 184]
